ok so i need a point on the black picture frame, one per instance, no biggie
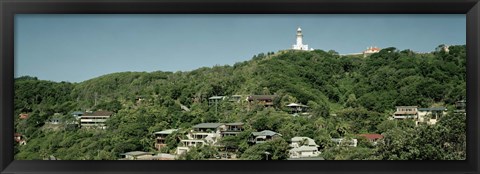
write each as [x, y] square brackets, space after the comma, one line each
[8, 9]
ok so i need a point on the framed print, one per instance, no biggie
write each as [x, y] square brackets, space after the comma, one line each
[228, 86]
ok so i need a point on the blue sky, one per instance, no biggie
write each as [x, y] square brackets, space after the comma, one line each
[75, 48]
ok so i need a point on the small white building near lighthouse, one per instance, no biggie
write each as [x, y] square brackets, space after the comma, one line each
[300, 45]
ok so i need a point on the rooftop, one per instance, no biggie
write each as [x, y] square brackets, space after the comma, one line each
[311, 142]
[433, 109]
[165, 155]
[168, 131]
[216, 97]
[208, 125]
[265, 133]
[98, 113]
[371, 136]
[407, 106]
[194, 140]
[405, 113]
[307, 158]
[304, 148]
[77, 113]
[261, 97]
[234, 124]
[296, 105]
[137, 153]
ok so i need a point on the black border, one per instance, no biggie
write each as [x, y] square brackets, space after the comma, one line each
[9, 8]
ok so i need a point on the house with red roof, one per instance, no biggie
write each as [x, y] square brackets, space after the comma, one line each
[373, 138]
[18, 137]
[370, 50]
[23, 116]
[265, 100]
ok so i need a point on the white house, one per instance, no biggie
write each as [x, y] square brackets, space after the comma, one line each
[420, 115]
[341, 141]
[95, 119]
[263, 136]
[304, 152]
[430, 115]
[135, 155]
[215, 100]
[371, 50]
[404, 112]
[185, 145]
[211, 132]
[296, 108]
[160, 137]
[303, 147]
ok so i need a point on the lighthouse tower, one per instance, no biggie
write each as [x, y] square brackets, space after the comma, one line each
[299, 45]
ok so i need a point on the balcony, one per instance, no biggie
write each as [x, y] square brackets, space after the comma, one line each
[405, 116]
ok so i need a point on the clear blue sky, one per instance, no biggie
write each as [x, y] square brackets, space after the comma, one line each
[75, 48]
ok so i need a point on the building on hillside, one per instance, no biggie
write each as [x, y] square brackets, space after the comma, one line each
[55, 121]
[58, 118]
[303, 147]
[265, 100]
[372, 138]
[95, 119]
[211, 132]
[232, 129]
[235, 98]
[307, 158]
[370, 50]
[185, 145]
[304, 152]
[23, 116]
[296, 108]
[420, 115]
[443, 48]
[139, 98]
[164, 156]
[161, 136]
[136, 155]
[406, 112]
[299, 45]
[19, 138]
[460, 106]
[263, 136]
[430, 115]
[302, 141]
[215, 100]
[343, 142]
[139, 155]
[77, 114]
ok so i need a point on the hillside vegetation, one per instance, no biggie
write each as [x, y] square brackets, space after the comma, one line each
[347, 95]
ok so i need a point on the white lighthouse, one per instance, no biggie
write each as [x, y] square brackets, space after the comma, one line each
[299, 45]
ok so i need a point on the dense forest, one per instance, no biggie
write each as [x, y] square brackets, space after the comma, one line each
[346, 95]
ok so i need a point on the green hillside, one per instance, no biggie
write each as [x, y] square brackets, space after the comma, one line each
[346, 96]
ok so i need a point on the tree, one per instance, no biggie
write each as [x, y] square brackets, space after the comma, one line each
[199, 153]
[276, 148]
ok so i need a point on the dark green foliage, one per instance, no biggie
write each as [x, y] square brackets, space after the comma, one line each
[444, 141]
[276, 149]
[200, 153]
